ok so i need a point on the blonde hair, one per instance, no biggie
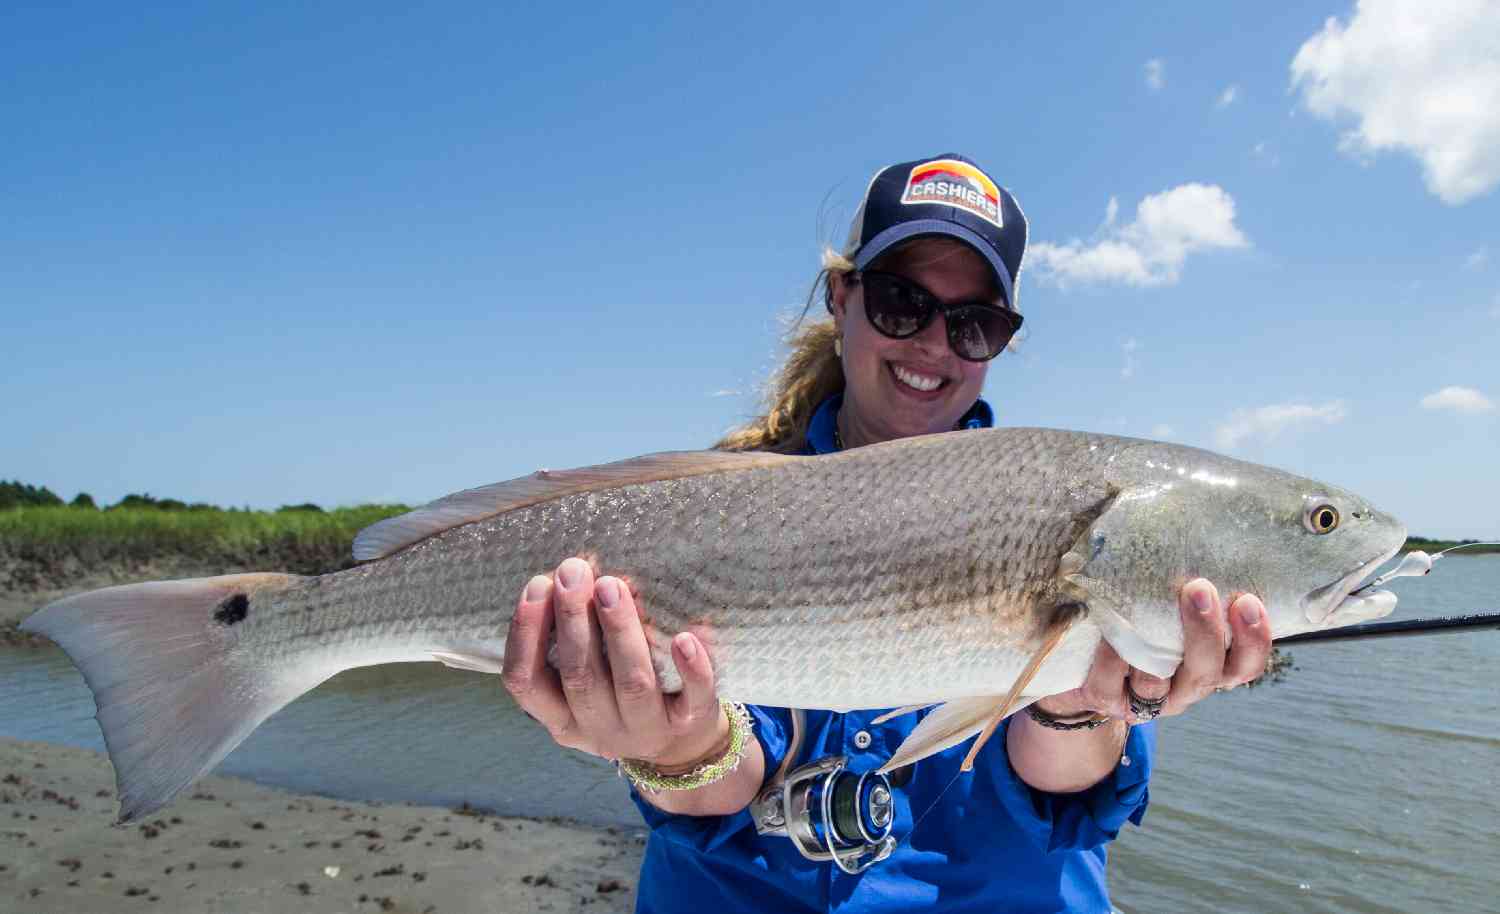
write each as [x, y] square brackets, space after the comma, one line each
[812, 373]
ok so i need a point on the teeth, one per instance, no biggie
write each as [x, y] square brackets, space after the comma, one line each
[918, 381]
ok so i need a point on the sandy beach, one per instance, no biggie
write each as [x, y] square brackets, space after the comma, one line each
[233, 846]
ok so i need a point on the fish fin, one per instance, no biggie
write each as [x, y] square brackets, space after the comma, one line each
[478, 663]
[385, 537]
[950, 724]
[1131, 645]
[907, 709]
[171, 697]
[1063, 620]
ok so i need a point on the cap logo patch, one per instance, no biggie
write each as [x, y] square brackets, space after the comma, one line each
[957, 184]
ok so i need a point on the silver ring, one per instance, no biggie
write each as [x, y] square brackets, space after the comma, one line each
[1145, 709]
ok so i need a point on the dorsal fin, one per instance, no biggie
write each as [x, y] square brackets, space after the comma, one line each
[385, 537]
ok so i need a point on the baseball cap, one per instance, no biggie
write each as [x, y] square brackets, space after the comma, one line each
[948, 195]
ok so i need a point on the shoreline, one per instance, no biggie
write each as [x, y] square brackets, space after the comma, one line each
[231, 845]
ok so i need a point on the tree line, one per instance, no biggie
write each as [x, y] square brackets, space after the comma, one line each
[16, 494]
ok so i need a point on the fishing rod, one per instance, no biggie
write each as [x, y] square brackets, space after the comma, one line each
[1416, 564]
[1438, 626]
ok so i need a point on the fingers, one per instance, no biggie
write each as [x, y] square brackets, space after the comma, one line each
[580, 649]
[694, 712]
[1251, 649]
[1104, 689]
[636, 692]
[527, 677]
[1204, 639]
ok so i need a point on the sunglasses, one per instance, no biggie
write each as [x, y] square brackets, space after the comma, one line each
[900, 309]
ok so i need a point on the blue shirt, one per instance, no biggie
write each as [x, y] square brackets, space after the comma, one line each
[977, 841]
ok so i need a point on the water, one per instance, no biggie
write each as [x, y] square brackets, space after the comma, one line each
[1368, 782]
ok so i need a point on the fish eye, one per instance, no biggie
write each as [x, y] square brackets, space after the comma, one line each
[1322, 518]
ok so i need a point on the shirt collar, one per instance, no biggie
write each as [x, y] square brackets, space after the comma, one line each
[823, 428]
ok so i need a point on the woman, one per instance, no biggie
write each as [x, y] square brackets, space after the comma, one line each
[922, 298]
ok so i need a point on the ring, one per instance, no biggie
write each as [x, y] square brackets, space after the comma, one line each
[1144, 709]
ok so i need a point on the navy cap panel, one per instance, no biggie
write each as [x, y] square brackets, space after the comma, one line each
[963, 202]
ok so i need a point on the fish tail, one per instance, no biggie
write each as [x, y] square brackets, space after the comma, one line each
[172, 696]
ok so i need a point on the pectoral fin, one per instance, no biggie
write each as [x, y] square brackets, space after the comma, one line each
[898, 712]
[478, 663]
[949, 725]
[1063, 621]
[957, 720]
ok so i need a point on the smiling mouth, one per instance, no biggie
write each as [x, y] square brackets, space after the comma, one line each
[916, 380]
[1346, 597]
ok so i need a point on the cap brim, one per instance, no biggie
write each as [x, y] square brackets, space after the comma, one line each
[918, 227]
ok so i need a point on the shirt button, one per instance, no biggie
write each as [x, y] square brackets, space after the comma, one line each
[862, 740]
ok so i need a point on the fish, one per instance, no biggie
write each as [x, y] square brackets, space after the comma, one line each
[976, 570]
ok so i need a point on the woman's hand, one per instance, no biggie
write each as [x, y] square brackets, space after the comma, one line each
[1220, 651]
[603, 698]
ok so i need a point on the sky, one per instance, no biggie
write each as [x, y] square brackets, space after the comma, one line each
[276, 253]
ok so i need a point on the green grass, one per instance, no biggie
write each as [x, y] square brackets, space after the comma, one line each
[1431, 546]
[303, 540]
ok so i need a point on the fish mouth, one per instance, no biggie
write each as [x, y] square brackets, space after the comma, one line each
[1343, 601]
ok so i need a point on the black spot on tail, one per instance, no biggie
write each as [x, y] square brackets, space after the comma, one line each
[233, 610]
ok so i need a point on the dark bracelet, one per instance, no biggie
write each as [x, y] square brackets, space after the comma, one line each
[1056, 723]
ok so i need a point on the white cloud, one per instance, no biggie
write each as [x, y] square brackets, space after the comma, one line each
[1111, 211]
[1458, 399]
[1127, 371]
[1156, 74]
[1161, 430]
[1479, 258]
[1227, 97]
[1151, 250]
[1266, 422]
[1418, 76]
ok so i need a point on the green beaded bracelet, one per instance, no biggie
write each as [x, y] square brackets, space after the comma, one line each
[645, 775]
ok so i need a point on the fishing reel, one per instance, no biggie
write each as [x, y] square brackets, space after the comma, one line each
[831, 813]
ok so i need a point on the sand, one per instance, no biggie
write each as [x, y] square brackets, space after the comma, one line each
[229, 845]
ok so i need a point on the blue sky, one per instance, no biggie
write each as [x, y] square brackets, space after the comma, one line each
[365, 252]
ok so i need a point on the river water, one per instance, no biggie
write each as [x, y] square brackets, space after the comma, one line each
[1368, 781]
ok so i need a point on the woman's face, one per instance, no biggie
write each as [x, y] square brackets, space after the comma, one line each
[889, 384]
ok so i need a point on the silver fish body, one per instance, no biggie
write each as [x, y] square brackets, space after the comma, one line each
[913, 572]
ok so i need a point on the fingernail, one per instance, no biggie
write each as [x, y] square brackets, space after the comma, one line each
[688, 645]
[570, 573]
[536, 588]
[608, 592]
[1203, 599]
[1250, 613]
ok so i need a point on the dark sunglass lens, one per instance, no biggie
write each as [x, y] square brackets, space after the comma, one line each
[979, 334]
[894, 308]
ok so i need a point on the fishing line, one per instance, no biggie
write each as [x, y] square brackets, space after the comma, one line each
[1416, 564]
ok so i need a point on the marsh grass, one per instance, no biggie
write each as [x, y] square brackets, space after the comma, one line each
[298, 541]
[1433, 546]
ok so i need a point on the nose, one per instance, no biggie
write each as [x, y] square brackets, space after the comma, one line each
[933, 340]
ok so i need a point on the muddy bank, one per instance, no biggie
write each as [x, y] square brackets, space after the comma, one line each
[233, 846]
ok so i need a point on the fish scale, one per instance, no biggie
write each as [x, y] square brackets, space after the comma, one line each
[924, 570]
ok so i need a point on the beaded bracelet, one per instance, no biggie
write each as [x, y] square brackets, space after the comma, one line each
[1056, 723]
[647, 776]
